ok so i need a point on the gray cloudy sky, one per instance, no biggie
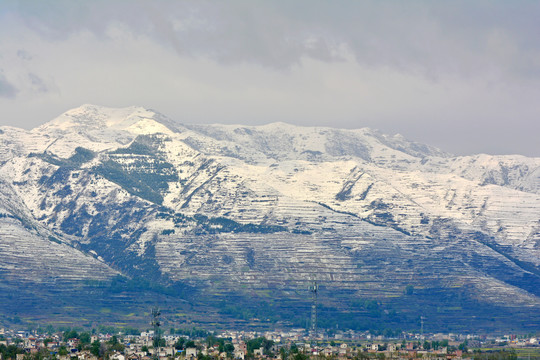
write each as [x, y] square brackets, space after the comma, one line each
[460, 75]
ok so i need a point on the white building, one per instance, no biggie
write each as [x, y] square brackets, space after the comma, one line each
[191, 353]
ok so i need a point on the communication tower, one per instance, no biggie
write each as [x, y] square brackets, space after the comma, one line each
[157, 336]
[314, 289]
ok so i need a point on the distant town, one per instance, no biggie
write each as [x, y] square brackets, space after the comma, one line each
[295, 344]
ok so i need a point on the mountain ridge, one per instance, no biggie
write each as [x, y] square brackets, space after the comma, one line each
[243, 210]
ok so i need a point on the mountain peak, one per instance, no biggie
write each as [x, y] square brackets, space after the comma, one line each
[94, 117]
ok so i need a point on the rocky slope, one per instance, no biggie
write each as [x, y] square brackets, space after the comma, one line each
[261, 211]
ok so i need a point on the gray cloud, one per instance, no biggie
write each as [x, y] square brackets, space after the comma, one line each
[7, 90]
[24, 55]
[458, 36]
[37, 83]
[461, 75]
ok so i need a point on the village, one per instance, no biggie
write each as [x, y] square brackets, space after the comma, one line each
[293, 344]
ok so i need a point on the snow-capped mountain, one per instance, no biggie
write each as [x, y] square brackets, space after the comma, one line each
[99, 192]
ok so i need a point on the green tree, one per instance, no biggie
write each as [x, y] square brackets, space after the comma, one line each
[62, 351]
[283, 353]
[160, 343]
[70, 334]
[95, 347]
[118, 347]
[132, 331]
[85, 338]
[229, 348]
[113, 340]
[200, 356]
[361, 356]
[300, 356]
[49, 329]
[211, 340]
[115, 344]
[258, 343]
[179, 344]
[47, 341]
[10, 351]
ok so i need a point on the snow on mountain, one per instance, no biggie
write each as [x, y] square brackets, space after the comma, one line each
[30, 252]
[93, 127]
[274, 205]
[88, 118]
[279, 141]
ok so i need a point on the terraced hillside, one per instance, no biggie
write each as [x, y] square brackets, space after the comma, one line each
[230, 223]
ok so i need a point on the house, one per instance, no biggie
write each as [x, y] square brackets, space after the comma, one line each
[117, 356]
[72, 343]
[343, 349]
[167, 351]
[191, 353]
[86, 355]
[30, 343]
[328, 351]
[239, 354]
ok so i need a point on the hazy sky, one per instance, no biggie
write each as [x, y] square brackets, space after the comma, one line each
[460, 75]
